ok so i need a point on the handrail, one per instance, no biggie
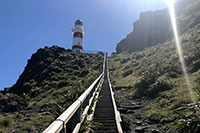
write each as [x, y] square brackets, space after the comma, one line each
[57, 125]
[117, 113]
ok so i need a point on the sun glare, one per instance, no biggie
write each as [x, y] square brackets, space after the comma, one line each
[179, 49]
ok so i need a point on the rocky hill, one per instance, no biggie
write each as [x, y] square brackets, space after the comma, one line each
[51, 81]
[150, 88]
[154, 27]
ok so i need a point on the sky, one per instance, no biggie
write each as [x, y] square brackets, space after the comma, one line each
[27, 25]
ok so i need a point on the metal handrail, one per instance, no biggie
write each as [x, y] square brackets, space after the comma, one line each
[117, 113]
[60, 123]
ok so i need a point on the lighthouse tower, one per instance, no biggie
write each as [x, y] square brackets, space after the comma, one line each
[78, 32]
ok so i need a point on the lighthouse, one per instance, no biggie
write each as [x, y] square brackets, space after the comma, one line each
[78, 32]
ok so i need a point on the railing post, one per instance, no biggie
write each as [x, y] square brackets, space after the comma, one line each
[76, 118]
[86, 102]
[64, 126]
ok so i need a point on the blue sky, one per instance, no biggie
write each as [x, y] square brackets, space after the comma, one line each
[27, 25]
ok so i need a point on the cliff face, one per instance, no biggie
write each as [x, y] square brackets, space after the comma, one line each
[155, 27]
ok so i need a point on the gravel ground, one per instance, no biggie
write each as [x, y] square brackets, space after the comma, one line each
[134, 109]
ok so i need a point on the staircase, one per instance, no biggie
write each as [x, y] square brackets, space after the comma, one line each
[104, 112]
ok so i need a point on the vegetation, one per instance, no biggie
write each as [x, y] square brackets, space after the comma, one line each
[5, 123]
[52, 80]
[90, 126]
[156, 74]
[126, 123]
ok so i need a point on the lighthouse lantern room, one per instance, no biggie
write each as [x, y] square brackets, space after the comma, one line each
[78, 32]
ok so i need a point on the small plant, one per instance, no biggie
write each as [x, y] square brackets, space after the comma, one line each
[59, 110]
[5, 121]
[126, 123]
[28, 128]
[124, 60]
[126, 73]
[90, 126]
[117, 100]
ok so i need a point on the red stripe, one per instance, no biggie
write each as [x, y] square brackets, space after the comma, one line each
[78, 34]
[77, 46]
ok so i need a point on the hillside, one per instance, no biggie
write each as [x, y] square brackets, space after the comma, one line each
[151, 90]
[51, 81]
[154, 27]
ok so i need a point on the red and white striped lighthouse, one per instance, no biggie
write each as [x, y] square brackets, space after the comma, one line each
[78, 32]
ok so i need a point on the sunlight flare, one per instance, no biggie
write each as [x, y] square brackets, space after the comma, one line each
[179, 49]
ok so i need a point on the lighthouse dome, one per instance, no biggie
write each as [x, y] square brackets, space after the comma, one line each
[78, 22]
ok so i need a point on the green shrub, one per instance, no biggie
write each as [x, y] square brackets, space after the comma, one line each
[63, 83]
[5, 121]
[126, 73]
[195, 66]
[28, 128]
[142, 85]
[157, 87]
[124, 60]
[126, 123]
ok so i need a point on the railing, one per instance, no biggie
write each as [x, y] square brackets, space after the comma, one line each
[118, 119]
[70, 121]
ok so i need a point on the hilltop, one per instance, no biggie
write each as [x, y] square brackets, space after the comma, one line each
[52, 79]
